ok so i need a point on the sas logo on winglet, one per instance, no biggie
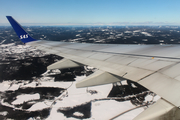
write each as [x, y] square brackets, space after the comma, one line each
[23, 36]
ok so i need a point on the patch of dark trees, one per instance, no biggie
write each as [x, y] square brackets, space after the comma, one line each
[27, 68]
[84, 109]
[132, 88]
[23, 115]
[69, 74]
[45, 93]
[124, 90]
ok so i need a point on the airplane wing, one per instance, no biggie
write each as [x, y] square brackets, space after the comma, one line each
[156, 67]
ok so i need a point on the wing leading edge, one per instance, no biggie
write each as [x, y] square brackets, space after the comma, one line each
[153, 66]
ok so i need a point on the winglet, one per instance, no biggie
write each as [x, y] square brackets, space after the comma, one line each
[22, 34]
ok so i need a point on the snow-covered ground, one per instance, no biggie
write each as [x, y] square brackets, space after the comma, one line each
[105, 109]
[24, 98]
[146, 33]
[70, 97]
[19, 51]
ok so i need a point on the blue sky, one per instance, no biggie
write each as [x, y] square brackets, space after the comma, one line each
[92, 12]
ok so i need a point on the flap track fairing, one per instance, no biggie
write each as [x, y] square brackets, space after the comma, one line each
[98, 78]
[63, 64]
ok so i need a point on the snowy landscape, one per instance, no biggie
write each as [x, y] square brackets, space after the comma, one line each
[29, 91]
[44, 98]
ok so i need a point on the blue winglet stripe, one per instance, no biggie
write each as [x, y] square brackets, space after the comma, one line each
[22, 34]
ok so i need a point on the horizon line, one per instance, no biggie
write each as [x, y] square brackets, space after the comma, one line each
[96, 24]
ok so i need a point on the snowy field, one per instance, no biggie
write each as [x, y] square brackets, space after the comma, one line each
[61, 99]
